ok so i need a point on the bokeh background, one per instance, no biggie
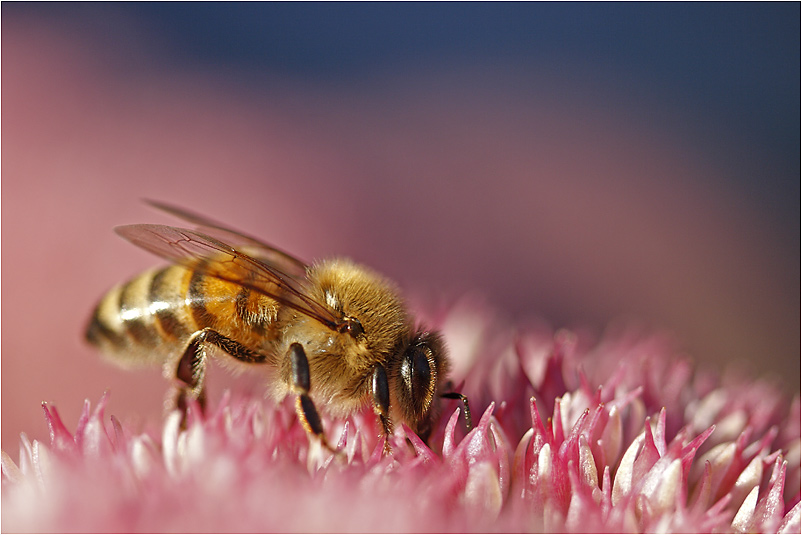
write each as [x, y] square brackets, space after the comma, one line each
[577, 163]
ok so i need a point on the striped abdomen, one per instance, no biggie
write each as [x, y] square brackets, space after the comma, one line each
[151, 317]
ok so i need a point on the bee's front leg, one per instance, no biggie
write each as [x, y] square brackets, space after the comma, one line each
[466, 406]
[380, 390]
[304, 406]
[191, 369]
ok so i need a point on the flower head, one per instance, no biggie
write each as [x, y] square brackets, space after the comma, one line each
[618, 435]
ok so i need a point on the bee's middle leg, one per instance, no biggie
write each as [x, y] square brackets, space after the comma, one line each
[191, 369]
[301, 384]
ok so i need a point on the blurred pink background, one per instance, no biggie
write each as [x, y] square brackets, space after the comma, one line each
[560, 202]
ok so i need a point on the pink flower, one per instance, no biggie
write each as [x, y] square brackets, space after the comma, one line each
[617, 435]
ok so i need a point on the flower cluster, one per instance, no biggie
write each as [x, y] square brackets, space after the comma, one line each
[618, 435]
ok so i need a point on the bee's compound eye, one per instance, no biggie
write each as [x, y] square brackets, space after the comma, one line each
[416, 371]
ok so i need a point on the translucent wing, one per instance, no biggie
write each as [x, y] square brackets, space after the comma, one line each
[272, 256]
[217, 259]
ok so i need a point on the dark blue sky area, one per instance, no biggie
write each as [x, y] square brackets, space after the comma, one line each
[725, 54]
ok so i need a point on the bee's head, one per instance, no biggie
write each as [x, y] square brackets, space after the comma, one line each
[422, 368]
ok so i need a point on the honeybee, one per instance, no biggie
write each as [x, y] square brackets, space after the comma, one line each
[334, 334]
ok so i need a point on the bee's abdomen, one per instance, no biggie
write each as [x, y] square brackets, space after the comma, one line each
[153, 316]
[144, 318]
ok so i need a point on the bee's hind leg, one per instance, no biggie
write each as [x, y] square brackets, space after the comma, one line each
[304, 406]
[191, 369]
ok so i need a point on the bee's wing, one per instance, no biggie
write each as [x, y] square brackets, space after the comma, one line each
[217, 259]
[268, 254]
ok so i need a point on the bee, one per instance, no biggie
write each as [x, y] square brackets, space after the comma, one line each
[334, 334]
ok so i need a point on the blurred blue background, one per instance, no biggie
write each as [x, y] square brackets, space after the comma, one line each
[730, 70]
